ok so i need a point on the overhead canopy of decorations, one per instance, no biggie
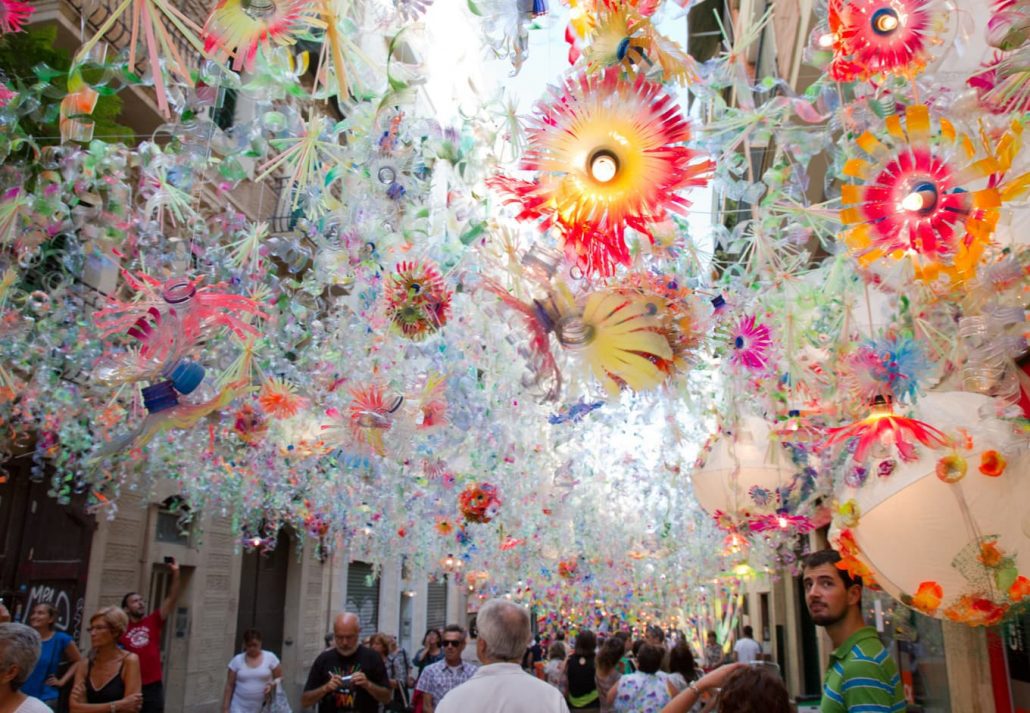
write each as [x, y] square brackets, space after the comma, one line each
[612, 355]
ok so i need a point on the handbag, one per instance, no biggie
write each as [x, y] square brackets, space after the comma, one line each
[276, 701]
[417, 703]
[399, 702]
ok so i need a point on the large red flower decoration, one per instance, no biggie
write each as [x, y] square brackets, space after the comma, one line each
[876, 37]
[608, 154]
[933, 196]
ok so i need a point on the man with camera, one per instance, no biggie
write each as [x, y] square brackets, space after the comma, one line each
[349, 676]
[143, 638]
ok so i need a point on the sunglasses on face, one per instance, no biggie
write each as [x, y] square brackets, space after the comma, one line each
[451, 642]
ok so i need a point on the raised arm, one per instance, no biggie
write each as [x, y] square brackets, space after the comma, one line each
[168, 605]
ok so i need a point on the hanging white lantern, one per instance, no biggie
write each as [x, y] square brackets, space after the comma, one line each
[743, 472]
[949, 532]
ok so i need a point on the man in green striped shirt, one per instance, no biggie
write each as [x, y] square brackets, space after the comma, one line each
[862, 677]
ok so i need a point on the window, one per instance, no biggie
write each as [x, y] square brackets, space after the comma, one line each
[363, 595]
[763, 602]
[174, 522]
[436, 605]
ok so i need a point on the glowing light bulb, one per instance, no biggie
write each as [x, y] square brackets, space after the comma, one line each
[922, 199]
[255, 542]
[604, 165]
[782, 522]
[826, 41]
[887, 23]
[912, 202]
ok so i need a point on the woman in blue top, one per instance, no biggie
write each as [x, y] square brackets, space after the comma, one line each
[43, 682]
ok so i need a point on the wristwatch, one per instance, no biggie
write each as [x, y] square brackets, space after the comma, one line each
[693, 687]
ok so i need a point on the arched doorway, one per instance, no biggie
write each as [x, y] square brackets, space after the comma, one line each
[262, 599]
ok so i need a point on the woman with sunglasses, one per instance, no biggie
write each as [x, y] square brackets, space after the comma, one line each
[108, 681]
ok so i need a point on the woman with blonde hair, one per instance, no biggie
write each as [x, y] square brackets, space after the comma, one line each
[108, 680]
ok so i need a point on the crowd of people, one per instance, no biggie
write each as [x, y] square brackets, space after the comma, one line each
[500, 670]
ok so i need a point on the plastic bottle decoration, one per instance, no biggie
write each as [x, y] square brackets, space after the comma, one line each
[13, 15]
[479, 502]
[934, 197]
[883, 430]
[892, 365]
[608, 155]
[619, 337]
[167, 321]
[750, 344]
[417, 299]
[532, 318]
[165, 413]
[250, 425]
[161, 50]
[239, 28]
[279, 398]
[678, 309]
[76, 106]
[872, 38]
[961, 513]
[622, 34]
[314, 154]
[371, 415]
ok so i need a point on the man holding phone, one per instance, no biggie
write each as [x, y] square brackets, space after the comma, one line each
[143, 638]
[349, 676]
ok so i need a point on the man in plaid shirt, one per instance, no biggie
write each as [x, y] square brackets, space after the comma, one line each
[438, 678]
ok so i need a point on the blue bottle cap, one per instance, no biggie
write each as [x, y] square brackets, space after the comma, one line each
[160, 396]
[718, 301]
[186, 376]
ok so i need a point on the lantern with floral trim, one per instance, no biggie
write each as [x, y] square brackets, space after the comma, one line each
[960, 512]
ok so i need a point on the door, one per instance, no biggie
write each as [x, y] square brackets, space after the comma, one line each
[44, 548]
[263, 594]
[811, 679]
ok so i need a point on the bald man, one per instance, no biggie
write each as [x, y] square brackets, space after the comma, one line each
[349, 676]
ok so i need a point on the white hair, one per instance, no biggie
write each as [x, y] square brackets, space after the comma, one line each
[19, 646]
[504, 628]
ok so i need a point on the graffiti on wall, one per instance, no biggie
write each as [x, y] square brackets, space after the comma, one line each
[64, 599]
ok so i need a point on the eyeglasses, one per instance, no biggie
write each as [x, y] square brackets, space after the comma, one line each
[98, 627]
[451, 642]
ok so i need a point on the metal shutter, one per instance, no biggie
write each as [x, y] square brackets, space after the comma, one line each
[363, 596]
[436, 605]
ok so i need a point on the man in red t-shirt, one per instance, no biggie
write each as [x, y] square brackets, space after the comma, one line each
[143, 638]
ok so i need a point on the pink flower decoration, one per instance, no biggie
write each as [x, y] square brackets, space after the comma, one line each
[1003, 86]
[750, 341]
[13, 14]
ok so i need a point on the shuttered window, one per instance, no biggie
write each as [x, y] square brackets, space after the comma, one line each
[436, 605]
[363, 595]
